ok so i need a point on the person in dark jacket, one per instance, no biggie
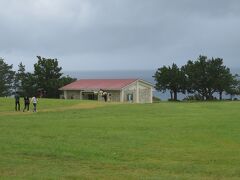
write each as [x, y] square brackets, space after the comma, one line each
[26, 103]
[17, 102]
[105, 96]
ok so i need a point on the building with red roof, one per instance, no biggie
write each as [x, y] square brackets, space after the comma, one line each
[114, 90]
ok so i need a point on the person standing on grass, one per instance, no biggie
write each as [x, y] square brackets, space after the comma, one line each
[17, 102]
[34, 101]
[26, 103]
[105, 95]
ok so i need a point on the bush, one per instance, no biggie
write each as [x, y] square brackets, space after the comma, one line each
[195, 97]
[156, 99]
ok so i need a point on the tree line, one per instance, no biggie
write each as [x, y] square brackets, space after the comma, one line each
[45, 80]
[201, 79]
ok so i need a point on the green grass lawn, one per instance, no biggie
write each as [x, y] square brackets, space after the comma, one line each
[69, 139]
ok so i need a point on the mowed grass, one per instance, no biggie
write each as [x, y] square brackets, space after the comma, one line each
[70, 139]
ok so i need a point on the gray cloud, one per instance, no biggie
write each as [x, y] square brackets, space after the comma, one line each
[119, 34]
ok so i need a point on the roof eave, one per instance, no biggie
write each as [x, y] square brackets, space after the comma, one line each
[71, 89]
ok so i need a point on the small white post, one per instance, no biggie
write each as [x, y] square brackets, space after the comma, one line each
[122, 95]
[80, 96]
[151, 95]
[137, 92]
[65, 94]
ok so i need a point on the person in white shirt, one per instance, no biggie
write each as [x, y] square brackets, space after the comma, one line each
[34, 101]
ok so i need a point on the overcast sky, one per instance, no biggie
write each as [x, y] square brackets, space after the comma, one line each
[119, 34]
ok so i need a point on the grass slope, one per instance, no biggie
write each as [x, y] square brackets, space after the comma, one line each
[90, 140]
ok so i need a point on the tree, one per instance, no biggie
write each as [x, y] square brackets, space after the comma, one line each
[207, 76]
[25, 82]
[47, 73]
[29, 85]
[223, 80]
[19, 78]
[66, 80]
[234, 89]
[170, 78]
[6, 78]
[196, 73]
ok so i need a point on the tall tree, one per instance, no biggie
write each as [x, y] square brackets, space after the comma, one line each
[234, 89]
[20, 76]
[47, 73]
[6, 78]
[207, 76]
[29, 85]
[197, 76]
[223, 80]
[170, 78]
[25, 82]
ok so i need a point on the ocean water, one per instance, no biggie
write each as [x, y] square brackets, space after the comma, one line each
[124, 74]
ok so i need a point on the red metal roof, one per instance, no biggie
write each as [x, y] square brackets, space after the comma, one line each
[97, 84]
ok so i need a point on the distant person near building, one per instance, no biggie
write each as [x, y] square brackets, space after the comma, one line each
[26, 103]
[17, 102]
[105, 96]
[34, 101]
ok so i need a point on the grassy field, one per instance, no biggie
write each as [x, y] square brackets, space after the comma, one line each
[69, 139]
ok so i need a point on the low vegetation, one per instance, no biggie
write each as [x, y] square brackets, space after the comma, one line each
[70, 139]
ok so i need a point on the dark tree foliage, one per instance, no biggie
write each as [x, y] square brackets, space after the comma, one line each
[47, 74]
[170, 78]
[207, 76]
[46, 79]
[234, 89]
[197, 76]
[6, 78]
[202, 77]
[66, 80]
[25, 82]
[19, 78]
[29, 85]
[223, 80]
